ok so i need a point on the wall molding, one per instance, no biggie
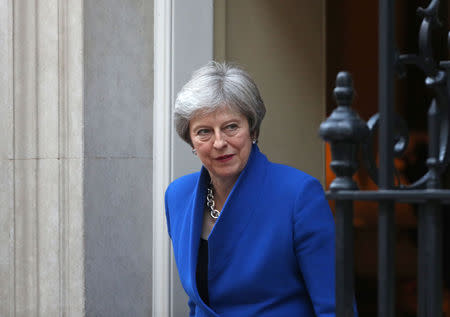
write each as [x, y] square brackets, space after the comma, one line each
[7, 250]
[41, 158]
[71, 158]
[162, 127]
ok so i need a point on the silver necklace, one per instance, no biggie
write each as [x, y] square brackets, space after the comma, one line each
[210, 203]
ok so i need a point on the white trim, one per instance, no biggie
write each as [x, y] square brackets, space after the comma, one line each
[162, 127]
[7, 214]
[183, 41]
[72, 298]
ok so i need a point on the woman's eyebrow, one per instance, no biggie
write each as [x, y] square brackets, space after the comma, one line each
[199, 126]
[236, 120]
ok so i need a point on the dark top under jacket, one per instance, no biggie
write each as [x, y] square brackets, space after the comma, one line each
[202, 271]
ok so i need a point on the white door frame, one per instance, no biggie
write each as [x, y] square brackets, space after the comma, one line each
[183, 41]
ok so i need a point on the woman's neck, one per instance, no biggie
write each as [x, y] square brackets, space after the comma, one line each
[222, 188]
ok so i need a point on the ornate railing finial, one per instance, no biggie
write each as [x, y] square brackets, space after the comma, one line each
[431, 11]
[344, 130]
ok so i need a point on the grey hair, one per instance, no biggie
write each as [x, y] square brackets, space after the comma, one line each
[213, 86]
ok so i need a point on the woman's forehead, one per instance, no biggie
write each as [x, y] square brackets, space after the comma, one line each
[217, 113]
[218, 116]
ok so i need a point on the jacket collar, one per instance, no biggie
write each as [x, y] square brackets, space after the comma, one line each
[234, 217]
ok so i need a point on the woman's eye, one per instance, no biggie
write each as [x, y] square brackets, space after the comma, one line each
[231, 127]
[203, 132]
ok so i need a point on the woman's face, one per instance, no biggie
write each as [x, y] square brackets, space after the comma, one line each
[223, 142]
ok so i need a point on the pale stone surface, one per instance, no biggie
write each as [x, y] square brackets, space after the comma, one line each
[36, 236]
[47, 81]
[71, 88]
[25, 101]
[41, 111]
[6, 237]
[48, 236]
[47, 78]
[118, 149]
[25, 238]
[71, 217]
[45, 222]
[6, 80]
[118, 221]
[118, 78]
[6, 164]
[72, 242]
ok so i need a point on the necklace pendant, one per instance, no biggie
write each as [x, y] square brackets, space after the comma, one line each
[215, 213]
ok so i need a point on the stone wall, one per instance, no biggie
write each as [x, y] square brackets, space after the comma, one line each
[76, 90]
[118, 86]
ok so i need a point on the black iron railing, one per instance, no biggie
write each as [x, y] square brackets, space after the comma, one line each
[348, 134]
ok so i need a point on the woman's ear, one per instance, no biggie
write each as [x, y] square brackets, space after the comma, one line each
[254, 138]
[254, 135]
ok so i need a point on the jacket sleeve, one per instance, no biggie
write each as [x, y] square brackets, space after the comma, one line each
[314, 238]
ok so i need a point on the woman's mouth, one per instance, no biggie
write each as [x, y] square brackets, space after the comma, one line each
[225, 158]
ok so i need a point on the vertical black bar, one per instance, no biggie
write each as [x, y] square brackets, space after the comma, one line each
[422, 263]
[344, 258]
[386, 227]
[433, 256]
[433, 222]
[386, 92]
[386, 260]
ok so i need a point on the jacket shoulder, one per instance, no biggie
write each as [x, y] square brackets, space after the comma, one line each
[177, 194]
[290, 177]
[183, 184]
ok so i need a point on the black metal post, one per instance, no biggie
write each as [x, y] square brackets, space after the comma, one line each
[431, 243]
[430, 283]
[344, 258]
[386, 224]
[422, 262]
[386, 259]
[345, 131]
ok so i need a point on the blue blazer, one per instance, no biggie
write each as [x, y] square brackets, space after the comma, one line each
[272, 250]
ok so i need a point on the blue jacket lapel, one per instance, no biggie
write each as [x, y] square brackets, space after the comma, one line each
[234, 218]
[237, 212]
[196, 226]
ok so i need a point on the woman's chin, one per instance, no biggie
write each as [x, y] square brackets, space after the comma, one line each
[225, 174]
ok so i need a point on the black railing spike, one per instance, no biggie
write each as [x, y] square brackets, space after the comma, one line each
[344, 130]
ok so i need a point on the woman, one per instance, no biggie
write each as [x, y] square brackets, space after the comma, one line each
[250, 237]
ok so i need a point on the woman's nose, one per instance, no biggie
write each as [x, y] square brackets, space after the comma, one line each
[219, 140]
